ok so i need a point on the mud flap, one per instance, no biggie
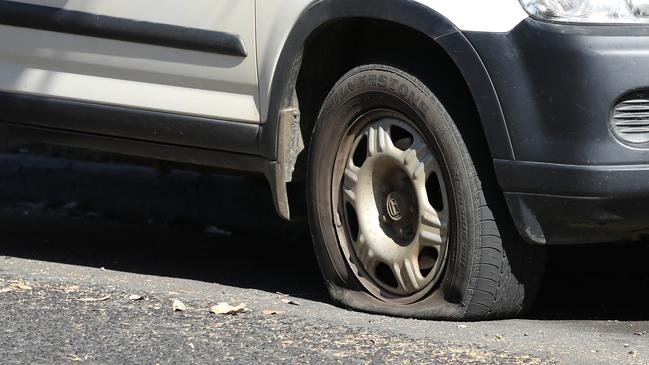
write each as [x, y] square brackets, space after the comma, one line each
[290, 144]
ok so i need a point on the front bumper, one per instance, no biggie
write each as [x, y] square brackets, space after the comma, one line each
[555, 203]
[572, 180]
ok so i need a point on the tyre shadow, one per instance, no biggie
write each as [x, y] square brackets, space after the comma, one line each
[255, 259]
[600, 282]
[183, 224]
[224, 230]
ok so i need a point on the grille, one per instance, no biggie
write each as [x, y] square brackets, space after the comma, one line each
[630, 120]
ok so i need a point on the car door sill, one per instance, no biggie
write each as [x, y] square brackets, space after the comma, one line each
[19, 134]
[131, 123]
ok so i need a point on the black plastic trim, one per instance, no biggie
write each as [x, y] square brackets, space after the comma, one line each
[75, 22]
[556, 203]
[407, 13]
[600, 181]
[558, 84]
[137, 124]
[574, 181]
[235, 162]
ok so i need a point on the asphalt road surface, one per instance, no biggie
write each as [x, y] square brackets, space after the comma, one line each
[79, 239]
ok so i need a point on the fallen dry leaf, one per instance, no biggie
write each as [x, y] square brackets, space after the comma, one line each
[21, 286]
[71, 288]
[135, 297]
[225, 308]
[291, 302]
[72, 357]
[100, 299]
[272, 312]
[5, 290]
[178, 306]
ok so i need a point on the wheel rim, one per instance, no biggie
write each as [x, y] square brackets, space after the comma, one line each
[392, 208]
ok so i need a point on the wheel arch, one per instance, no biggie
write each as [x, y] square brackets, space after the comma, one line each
[322, 22]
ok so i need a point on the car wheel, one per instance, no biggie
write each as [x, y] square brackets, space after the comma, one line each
[399, 218]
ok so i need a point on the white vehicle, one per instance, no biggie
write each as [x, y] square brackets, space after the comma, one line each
[440, 143]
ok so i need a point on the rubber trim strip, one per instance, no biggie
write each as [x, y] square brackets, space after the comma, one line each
[100, 26]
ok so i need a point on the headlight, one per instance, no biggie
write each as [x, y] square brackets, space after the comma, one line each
[590, 11]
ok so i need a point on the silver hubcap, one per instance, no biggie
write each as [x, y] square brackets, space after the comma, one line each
[395, 208]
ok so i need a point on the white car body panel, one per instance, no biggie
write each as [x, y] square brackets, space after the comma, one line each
[182, 81]
[139, 75]
[275, 19]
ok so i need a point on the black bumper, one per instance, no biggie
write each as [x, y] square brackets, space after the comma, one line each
[572, 180]
[553, 203]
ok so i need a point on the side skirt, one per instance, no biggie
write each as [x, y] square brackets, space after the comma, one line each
[230, 161]
[131, 123]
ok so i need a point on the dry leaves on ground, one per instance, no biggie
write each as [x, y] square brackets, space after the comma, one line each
[225, 308]
[20, 286]
[70, 288]
[73, 357]
[270, 312]
[178, 306]
[98, 299]
[291, 302]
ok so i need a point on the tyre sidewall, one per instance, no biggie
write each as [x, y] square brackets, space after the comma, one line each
[374, 87]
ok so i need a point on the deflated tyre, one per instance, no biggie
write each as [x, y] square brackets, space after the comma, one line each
[399, 217]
